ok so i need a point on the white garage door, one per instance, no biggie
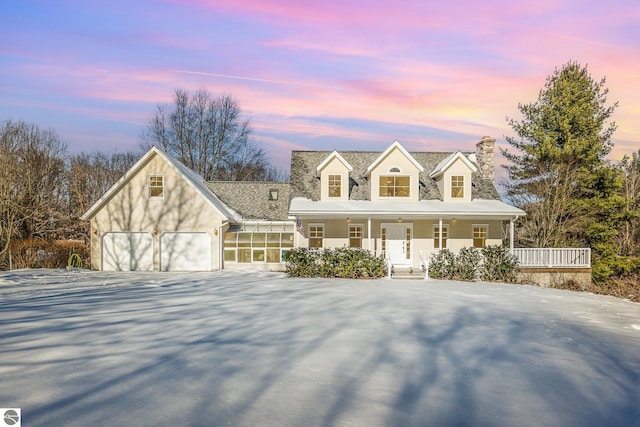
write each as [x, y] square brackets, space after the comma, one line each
[185, 252]
[127, 251]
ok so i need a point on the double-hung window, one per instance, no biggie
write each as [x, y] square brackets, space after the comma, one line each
[436, 236]
[479, 236]
[335, 185]
[316, 235]
[457, 186]
[156, 186]
[355, 235]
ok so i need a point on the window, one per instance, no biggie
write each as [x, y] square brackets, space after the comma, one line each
[316, 235]
[408, 235]
[355, 235]
[273, 194]
[457, 186]
[335, 185]
[395, 186]
[436, 236]
[479, 236]
[156, 186]
[256, 247]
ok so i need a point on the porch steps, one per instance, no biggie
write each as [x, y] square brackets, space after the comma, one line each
[405, 273]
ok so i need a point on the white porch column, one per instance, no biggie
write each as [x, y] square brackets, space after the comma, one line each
[369, 234]
[440, 234]
[511, 234]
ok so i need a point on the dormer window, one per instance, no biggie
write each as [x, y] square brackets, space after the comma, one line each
[395, 186]
[394, 170]
[335, 185]
[273, 194]
[457, 186]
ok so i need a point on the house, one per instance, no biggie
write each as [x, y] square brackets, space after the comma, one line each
[162, 216]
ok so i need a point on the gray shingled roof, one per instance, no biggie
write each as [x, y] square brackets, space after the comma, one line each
[251, 199]
[305, 182]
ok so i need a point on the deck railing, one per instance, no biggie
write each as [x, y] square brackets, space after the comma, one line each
[553, 257]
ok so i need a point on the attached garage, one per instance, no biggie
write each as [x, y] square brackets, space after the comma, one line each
[185, 251]
[127, 251]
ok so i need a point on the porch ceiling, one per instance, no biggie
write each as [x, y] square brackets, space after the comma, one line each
[424, 209]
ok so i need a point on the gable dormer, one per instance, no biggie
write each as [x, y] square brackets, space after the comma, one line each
[394, 175]
[334, 177]
[453, 176]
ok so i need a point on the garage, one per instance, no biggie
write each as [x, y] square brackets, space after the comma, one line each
[127, 251]
[185, 252]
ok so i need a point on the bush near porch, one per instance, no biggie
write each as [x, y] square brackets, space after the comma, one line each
[492, 264]
[348, 263]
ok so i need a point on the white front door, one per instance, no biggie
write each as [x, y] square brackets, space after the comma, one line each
[397, 241]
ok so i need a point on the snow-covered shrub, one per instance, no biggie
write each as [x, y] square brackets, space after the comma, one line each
[467, 263]
[442, 265]
[498, 264]
[342, 262]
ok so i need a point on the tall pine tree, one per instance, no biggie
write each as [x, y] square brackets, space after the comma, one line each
[558, 172]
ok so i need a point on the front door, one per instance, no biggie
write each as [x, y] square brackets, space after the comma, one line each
[397, 242]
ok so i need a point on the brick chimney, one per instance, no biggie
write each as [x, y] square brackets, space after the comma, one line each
[484, 157]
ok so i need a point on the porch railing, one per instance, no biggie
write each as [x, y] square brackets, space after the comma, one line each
[553, 257]
[538, 257]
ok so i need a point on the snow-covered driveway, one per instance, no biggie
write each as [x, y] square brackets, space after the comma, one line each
[257, 349]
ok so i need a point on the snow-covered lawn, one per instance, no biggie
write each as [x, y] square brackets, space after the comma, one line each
[257, 349]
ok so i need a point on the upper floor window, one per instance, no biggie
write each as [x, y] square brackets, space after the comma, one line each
[335, 185]
[156, 186]
[395, 186]
[457, 186]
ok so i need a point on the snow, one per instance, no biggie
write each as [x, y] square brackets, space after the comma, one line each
[255, 348]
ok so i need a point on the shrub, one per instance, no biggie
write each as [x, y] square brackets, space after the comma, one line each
[442, 265]
[498, 265]
[467, 262]
[342, 262]
[40, 253]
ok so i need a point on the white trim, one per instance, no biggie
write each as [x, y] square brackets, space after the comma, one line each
[386, 152]
[330, 157]
[448, 161]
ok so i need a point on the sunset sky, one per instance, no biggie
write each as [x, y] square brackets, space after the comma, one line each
[317, 75]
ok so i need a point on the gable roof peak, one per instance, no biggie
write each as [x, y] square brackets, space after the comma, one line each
[334, 155]
[385, 153]
[448, 161]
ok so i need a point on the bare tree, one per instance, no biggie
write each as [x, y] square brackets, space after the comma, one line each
[32, 163]
[88, 177]
[208, 135]
[629, 236]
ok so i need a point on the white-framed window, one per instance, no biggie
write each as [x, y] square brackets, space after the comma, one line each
[436, 236]
[335, 185]
[256, 247]
[480, 234]
[316, 235]
[383, 241]
[457, 186]
[356, 233]
[156, 186]
[395, 186]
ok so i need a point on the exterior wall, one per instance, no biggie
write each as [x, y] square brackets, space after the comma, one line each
[554, 276]
[334, 167]
[181, 209]
[395, 158]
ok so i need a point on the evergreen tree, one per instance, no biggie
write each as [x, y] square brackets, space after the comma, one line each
[558, 172]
